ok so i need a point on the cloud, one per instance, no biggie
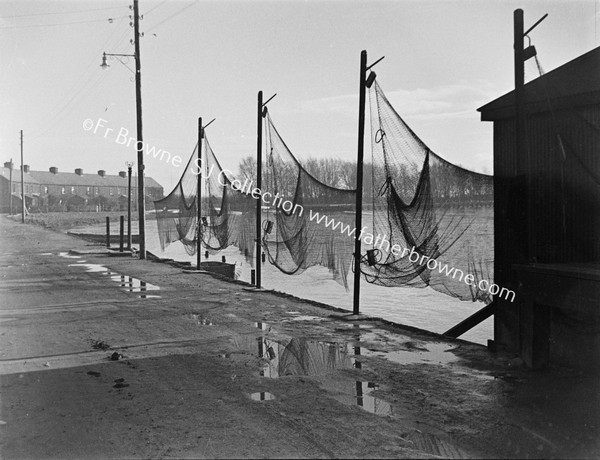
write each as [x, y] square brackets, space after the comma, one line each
[448, 101]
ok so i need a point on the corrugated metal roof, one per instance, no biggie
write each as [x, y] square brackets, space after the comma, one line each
[573, 84]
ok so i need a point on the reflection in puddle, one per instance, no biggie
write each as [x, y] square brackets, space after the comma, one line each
[430, 353]
[361, 398]
[128, 283]
[199, 319]
[132, 284]
[262, 396]
[300, 356]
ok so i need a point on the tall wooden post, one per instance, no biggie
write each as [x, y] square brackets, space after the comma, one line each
[199, 196]
[140, 137]
[10, 187]
[22, 183]
[129, 165]
[359, 180]
[259, 186]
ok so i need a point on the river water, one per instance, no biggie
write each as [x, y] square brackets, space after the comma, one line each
[423, 308]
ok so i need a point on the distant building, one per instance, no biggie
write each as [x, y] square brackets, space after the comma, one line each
[51, 190]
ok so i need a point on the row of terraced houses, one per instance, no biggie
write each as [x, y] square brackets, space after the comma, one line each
[47, 191]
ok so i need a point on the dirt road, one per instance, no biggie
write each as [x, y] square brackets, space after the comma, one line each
[104, 357]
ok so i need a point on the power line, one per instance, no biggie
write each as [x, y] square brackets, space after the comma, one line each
[170, 17]
[60, 12]
[61, 23]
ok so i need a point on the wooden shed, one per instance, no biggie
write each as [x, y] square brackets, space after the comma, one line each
[547, 216]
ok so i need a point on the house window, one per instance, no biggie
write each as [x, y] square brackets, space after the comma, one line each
[87, 191]
[110, 191]
[73, 190]
[62, 190]
[97, 191]
[118, 190]
[46, 190]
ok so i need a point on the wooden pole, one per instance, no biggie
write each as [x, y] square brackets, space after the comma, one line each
[199, 196]
[10, 203]
[108, 232]
[22, 183]
[121, 232]
[129, 207]
[359, 180]
[259, 186]
[140, 138]
[520, 137]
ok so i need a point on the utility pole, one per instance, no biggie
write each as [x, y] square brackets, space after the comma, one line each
[22, 184]
[364, 84]
[140, 138]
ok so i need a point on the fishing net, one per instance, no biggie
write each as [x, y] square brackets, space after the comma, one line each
[177, 213]
[432, 220]
[311, 221]
[227, 213]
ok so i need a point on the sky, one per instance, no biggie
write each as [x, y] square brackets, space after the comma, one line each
[443, 60]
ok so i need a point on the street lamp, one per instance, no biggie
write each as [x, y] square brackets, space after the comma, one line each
[140, 140]
[129, 165]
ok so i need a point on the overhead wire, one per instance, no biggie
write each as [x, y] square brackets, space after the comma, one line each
[59, 23]
[59, 12]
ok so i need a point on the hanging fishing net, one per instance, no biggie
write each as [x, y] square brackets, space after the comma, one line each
[432, 220]
[311, 221]
[228, 215]
[177, 213]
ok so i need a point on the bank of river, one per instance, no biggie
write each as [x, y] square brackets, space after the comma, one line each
[424, 308]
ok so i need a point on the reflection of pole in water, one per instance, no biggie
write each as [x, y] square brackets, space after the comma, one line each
[359, 393]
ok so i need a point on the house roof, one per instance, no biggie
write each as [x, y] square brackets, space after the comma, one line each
[573, 84]
[73, 179]
[16, 176]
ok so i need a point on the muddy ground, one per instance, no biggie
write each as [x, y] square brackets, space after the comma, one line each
[111, 357]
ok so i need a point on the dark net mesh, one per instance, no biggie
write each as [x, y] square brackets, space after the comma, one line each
[177, 213]
[227, 214]
[432, 220]
[312, 221]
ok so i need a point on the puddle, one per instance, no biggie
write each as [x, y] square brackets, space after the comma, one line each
[128, 283]
[306, 318]
[360, 397]
[132, 284]
[68, 256]
[429, 353]
[90, 268]
[199, 319]
[262, 396]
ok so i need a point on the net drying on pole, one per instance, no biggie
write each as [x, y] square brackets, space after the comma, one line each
[440, 212]
[296, 241]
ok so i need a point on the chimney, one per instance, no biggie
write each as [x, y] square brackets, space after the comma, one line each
[122, 174]
[26, 168]
[79, 172]
[8, 164]
[54, 170]
[102, 173]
